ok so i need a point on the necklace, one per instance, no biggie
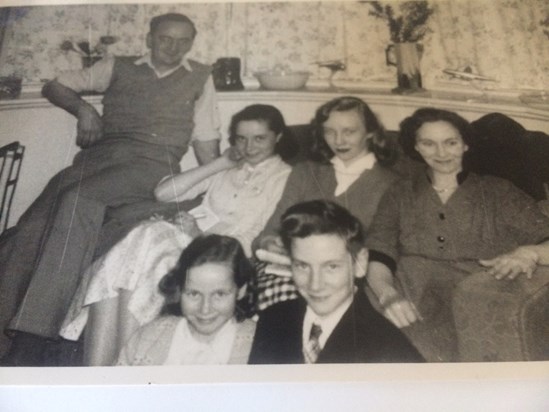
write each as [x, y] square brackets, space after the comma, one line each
[444, 189]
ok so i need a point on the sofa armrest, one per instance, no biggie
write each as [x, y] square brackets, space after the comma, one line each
[502, 320]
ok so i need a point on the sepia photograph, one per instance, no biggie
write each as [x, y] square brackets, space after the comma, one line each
[363, 184]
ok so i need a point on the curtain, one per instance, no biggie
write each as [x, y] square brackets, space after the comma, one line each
[502, 39]
[4, 19]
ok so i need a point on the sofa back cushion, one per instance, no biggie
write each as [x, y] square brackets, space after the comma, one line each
[504, 148]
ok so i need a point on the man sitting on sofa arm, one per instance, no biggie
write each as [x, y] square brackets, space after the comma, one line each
[154, 107]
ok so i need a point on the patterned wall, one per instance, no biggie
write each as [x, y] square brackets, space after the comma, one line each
[503, 39]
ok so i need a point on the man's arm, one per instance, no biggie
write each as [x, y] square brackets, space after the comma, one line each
[63, 92]
[206, 135]
[89, 126]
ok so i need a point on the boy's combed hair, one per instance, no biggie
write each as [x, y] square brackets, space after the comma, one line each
[321, 217]
[211, 248]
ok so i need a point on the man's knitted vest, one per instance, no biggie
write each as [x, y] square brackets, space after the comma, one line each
[141, 106]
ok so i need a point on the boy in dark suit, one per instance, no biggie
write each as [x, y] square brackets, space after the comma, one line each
[332, 321]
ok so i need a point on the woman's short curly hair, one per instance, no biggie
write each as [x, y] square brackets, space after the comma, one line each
[384, 149]
[286, 147]
[410, 125]
[211, 248]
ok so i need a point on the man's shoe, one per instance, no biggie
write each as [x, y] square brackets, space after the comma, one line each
[26, 350]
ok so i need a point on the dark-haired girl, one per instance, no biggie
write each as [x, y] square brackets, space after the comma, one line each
[241, 190]
[205, 323]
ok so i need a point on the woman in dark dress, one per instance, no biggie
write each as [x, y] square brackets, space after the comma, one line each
[444, 223]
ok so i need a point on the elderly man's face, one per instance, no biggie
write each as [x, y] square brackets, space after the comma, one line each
[169, 43]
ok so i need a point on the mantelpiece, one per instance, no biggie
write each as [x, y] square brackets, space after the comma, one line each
[48, 132]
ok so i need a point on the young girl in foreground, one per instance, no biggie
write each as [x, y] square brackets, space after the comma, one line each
[205, 323]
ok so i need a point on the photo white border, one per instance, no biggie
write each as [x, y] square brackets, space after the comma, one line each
[509, 386]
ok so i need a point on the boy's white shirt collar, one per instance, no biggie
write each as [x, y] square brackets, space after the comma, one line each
[146, 59]
[347, 175]
[326, 323]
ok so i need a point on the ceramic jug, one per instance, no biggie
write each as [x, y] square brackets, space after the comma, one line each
[406, 58]
[89, 61]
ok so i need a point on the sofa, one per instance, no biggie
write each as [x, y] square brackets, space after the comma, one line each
[494, 320]
[502, 320]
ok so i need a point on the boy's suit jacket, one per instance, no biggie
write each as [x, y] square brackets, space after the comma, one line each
[362, 335]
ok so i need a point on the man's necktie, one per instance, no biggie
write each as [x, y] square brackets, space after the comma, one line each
[313, 346]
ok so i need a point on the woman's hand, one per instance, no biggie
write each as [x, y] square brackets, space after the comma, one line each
[187, 184]
[274, 258]
[399, 310]
[187, 222]
[396, 308]
[273, 244]
[510, 265]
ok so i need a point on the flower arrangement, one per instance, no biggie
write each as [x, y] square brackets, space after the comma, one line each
[84, 48]
[408, 24]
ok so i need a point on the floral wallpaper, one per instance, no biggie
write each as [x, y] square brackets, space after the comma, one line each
[502, 39]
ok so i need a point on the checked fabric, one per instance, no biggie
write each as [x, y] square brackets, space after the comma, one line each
[271, 288]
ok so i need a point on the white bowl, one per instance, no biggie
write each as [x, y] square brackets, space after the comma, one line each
[275, 80]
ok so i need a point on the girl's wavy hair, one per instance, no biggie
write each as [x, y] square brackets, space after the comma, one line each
[321, 217]
[211, 248]
[410, 125]
[384, 149]
[286, 147]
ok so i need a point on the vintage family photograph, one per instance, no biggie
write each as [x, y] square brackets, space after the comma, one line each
[274, 183]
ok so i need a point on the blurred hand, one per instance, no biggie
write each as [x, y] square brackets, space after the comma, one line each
[89, 126]
[399, 310]
[273, 244]
[187, 223]
[510, 265]
[277, 259]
